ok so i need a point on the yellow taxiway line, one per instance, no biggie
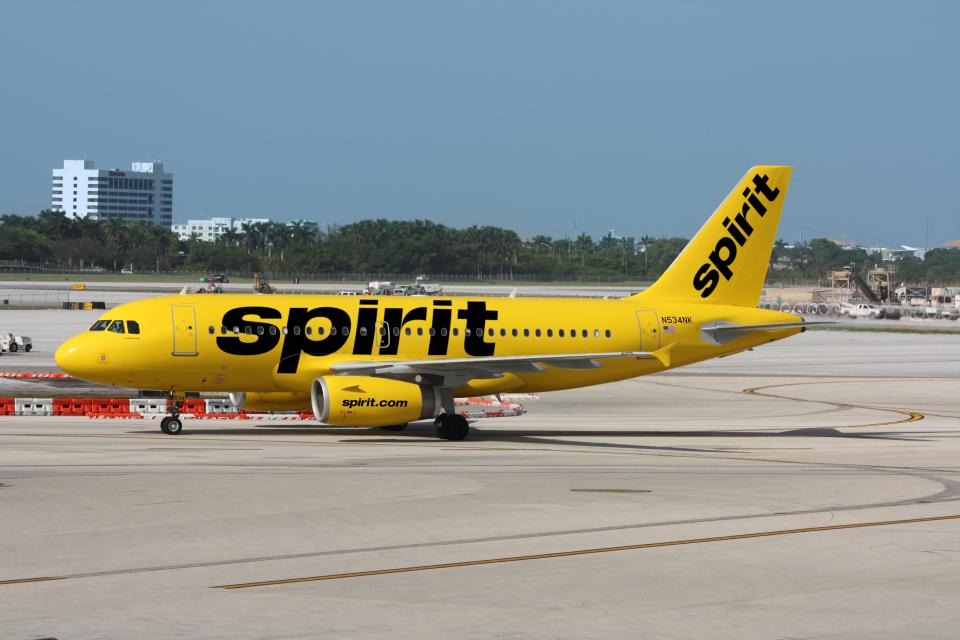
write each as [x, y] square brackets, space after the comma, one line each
[582, 552]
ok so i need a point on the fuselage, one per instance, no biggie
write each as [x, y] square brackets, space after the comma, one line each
[270, 343]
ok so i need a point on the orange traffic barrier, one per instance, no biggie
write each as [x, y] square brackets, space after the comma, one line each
[7, 406]
[194, 406]
[72, 406]
[109, 405]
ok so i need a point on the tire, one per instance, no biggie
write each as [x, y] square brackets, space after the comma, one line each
[451, 427]
[28, 348]
[14, 347]
[171, 426]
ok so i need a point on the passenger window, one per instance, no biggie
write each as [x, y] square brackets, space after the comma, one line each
[419, 331]
[333, 331]
[296, 331]
[584, 333]
[260, 330]
[466, 331]
[309, 331]
[320, 331]
[596, 333]
[432, 332]
[608, 334]
[248, 330]
[273, 330]
[549, 333]
[503, 332]
[573, 333]
[363, 331]
[407, 331]
[443, 331]
[526, 333]
[346, 331]
[456, 332]
[396, 332]
[116, 326]
[236, 329]
[479, 331]
[537, 333]
[514, 333]
[560, 333]
[212, 330]
[223, 330]
[99, 325]
[283, 330]
[134, 327]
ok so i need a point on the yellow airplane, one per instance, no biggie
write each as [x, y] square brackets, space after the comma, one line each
[383, 361]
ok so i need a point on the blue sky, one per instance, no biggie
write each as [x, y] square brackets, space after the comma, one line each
[553, 117]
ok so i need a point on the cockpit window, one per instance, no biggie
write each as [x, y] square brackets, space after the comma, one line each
[116, 326]
[133, 326]
[99, 325]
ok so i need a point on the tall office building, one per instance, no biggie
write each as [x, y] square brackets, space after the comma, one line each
[144, 193]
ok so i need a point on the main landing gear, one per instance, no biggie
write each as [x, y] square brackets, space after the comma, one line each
[451, 426]
[171, 424]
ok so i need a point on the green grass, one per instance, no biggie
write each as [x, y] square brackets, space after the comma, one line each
[893, 328]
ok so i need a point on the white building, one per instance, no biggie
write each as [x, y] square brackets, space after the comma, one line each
[212, 228]
[145, 193]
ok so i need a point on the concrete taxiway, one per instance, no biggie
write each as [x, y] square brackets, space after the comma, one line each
[810, 489]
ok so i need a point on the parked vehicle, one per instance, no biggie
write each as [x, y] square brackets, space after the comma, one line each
[861, 310]
[13, 343]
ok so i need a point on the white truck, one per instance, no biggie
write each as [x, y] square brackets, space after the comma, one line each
[13, 343]
[861, 310]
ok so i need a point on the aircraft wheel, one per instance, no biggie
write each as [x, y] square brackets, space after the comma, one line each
[395, 427]
[451, 427]
[171, 426]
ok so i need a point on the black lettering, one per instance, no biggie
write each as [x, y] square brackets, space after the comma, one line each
[706, 280]
[234, 345]
[734, 231]
[366, 328]
[757, 205]
[723, 263]
[741, 219]
[476, 315]
[394, 318]
[760, 184]
[439, 341]
[298, 342]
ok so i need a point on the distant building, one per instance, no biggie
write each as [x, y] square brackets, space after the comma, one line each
[212, 228]
[144, 193]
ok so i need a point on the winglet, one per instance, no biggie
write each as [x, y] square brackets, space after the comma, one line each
[663, 354]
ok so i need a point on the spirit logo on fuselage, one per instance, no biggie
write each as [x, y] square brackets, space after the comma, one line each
[298, 341]
[721, 259]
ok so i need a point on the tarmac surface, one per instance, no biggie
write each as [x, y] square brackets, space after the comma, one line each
[808, 489]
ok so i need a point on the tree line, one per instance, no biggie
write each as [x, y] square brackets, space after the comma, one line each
[404, 247]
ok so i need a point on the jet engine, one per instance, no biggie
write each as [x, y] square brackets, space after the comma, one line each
[271, 401]
[364, 401]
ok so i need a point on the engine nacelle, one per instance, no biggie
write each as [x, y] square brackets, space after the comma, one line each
[364, 401]
[271, 401]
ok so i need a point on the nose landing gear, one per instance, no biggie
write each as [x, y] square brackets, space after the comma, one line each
[171, 424]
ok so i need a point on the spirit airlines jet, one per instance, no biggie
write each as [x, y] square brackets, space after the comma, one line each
[372, 361]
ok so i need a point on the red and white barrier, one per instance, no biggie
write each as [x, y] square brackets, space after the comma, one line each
[209, 408]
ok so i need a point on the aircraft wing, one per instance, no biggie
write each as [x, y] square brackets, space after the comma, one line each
[460, 370]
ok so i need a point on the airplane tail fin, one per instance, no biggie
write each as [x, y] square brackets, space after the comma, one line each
[726, 262]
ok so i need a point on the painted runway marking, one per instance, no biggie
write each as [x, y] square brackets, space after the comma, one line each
[582, 552]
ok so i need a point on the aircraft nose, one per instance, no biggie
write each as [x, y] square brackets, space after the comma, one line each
[74, 356]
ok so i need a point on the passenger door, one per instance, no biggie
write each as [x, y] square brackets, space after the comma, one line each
[184, 330]
[649, 330]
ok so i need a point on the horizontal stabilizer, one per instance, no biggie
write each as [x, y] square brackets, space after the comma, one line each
[721, 332]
